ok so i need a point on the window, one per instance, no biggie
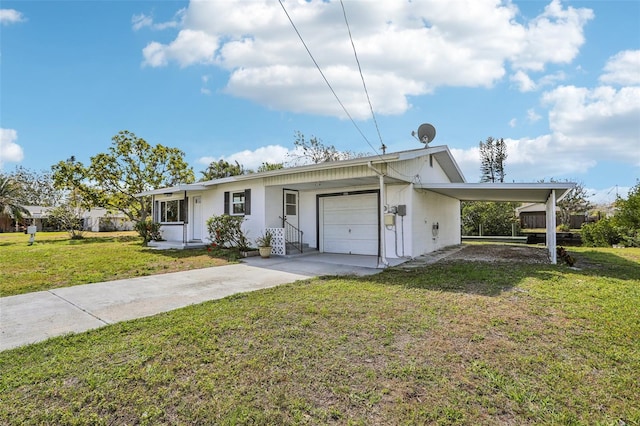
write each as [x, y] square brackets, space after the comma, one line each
[290, 204]
[237, 203]
[171, 211]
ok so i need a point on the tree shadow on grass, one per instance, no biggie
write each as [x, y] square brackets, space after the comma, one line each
[494, 278]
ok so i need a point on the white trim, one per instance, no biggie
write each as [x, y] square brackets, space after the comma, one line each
[551, 227]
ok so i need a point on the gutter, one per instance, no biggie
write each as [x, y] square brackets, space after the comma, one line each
[382, 259]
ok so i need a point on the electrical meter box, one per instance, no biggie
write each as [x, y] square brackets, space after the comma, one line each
[402, 210]
[389, 219]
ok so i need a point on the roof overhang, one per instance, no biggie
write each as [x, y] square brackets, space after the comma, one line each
[518, 192]
[173, 190]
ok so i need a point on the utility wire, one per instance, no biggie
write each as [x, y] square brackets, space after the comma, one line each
[344, 12]
[325, 78]
[336, 95]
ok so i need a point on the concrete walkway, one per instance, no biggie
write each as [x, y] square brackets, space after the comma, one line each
[33, 317]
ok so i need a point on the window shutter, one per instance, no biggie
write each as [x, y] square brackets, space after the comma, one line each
[247, 202]
[184, 210]
[226, 202]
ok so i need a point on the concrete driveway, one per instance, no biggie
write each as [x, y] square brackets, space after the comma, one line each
[34, 317]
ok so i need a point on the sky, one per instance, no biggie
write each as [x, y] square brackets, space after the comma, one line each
[559, 81]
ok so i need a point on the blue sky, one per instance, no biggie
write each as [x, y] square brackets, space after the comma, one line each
[558, 80]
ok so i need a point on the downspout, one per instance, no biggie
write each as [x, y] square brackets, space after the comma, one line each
[382, 258]
[185, 221]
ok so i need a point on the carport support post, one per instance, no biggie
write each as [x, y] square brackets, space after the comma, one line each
[383, 242]
[551, 226]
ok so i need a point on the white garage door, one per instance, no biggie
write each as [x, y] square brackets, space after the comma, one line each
[349, 224]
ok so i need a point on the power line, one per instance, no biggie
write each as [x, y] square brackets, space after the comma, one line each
[325, 78]
[344, 12]
[336, 95]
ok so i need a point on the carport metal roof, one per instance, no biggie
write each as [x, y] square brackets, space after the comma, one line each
[521, 192]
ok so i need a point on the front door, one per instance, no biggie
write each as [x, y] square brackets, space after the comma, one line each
[196, 223]
[290, 207]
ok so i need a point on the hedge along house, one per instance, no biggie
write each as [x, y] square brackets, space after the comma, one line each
[397, 205]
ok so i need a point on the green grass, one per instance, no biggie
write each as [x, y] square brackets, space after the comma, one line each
[56, 261]
[451, 343]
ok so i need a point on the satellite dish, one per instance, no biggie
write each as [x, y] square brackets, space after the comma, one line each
[426, 133]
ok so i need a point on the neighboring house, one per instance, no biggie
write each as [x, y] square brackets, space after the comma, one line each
[402, 204]
[533, 215]
[97, 219]
[37, 216]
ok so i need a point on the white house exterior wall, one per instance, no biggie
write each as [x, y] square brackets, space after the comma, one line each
[428, 210]
[254, 223]
[419, 169]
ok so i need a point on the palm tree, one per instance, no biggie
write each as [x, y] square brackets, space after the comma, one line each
[9, 193]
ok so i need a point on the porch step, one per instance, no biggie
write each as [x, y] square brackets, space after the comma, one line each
[292, 249]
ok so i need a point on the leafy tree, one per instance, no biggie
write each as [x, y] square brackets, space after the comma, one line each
[10, 198]
[493, 154]
[575, 202]
[68, 217]
[131, 166]
[628, 211]
[266, 167]
[627, 217]
[623, 228]
[495, 218]
[36, 188]
[315, 152]
[222, 169]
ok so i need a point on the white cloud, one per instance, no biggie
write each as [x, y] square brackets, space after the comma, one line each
[253, 159]
[11, 16]
[141, 21]
[523, 81]
[623, 68]
[146, 21]
[463, 43]
[553, 37]
[513, 123]
[587, 126]
[533, 116]
[10, 151]
[189, 48]
[602, 122]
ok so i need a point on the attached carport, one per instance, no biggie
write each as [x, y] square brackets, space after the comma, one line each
[547, 193]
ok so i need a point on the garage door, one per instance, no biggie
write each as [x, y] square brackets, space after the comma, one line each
[349, 224]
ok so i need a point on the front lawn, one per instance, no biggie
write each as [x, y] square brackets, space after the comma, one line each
[57, 261]
[452, 343]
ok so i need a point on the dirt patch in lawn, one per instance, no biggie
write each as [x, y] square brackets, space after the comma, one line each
[500, 253]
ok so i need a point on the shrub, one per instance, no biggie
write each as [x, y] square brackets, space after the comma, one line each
[226, 231]
[563, 227]
[602, 233]
[148, 230]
